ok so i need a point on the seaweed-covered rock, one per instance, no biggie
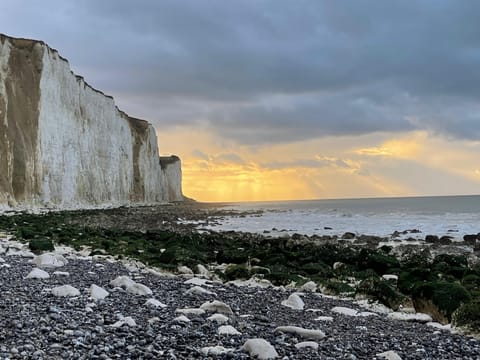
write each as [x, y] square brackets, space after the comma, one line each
[471, 282]
[439, 299]
[467, 319]
[452, 265]
[317, 268]
[40, 245]
[432, 239]
[382, 291]
[471, 239]
[412, 276]
[233, 272]
[416, 258]
[336, 287]
[381, 263]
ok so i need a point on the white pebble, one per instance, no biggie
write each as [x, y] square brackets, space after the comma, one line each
[190, 311]
[197, 281]
[197, 290]
[155, 303]
[218, 318]
[345, 311]
[305, 333]
[154, 320]
[202, 271]
[228, 330]
[139, 289]
[49, 260]
[122, 281]
[217, 307]
[324, 318]
[98, 293]
[37, 274]
[184, 270]
[260, 348]
[309, 286]
[182, 319]
[307, 344]
[215, 350]
[389, 355]
[418, 317]
[65, 291]
[294, 302]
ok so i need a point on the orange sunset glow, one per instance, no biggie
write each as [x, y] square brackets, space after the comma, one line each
[369, 166]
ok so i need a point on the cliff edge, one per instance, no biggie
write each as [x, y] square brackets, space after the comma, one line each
[64, 144]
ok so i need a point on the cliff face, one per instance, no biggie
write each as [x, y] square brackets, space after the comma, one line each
[172, 170]
[65, 144]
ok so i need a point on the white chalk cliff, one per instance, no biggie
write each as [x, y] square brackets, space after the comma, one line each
[64, 144]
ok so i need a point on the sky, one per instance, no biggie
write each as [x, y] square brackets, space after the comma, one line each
[285, 99]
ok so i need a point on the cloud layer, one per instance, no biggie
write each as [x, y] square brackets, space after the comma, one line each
[271, 71]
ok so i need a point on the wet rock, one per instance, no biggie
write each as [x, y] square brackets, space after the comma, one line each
[432, 239]
[471, 239]
[439, 299]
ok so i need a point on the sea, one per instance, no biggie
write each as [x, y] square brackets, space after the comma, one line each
[453, 216]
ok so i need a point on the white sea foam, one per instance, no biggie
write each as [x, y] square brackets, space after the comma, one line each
[452, 216]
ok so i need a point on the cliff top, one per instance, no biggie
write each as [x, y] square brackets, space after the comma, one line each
[24, 42]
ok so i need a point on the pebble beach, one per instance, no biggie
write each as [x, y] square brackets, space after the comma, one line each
[69, 305]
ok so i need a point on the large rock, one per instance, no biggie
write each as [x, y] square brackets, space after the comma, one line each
[37, 274]
[294, 302]
[66, 144]
[439, 299]
[260, 348]
[139, 289]
[49, 260]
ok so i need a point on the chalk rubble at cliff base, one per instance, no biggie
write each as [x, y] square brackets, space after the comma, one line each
[91, 314]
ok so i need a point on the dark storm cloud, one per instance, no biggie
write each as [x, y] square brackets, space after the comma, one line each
[270, 70]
